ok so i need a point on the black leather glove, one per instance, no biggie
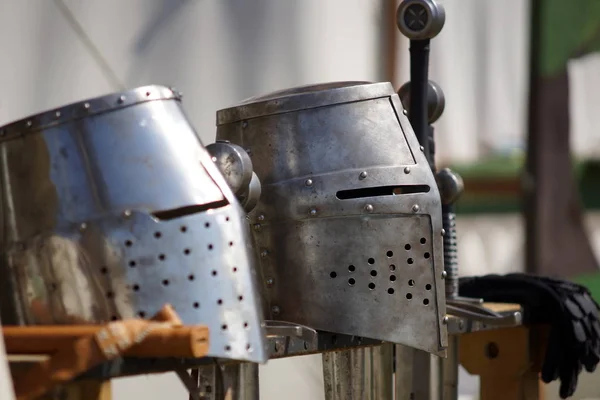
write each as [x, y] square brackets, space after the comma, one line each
[568, 308]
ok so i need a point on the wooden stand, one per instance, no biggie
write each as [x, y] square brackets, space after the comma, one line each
[45, 360]
[508, 362]
[82, 390]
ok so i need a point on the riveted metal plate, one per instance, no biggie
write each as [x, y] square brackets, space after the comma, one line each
[130, 267]
[315, 244]
[375, 268]
[116, 212]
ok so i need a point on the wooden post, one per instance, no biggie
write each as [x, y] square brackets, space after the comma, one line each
[507, 361]
[81, 390]
[78, 390]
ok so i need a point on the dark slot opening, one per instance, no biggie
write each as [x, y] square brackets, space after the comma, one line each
[377, 191]
[174, 213]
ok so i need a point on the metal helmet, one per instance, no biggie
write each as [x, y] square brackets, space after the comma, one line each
[348, 225]
[111, 208]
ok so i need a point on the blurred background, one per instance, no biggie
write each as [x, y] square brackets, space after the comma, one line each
[219, 52]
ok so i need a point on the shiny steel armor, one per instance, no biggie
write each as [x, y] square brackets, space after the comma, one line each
[111, 208]
[348, 225]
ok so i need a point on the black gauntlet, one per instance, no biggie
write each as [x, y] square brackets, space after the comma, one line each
[569, 310]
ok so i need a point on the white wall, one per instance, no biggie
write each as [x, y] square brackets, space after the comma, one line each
[6, 389]
[217, 52]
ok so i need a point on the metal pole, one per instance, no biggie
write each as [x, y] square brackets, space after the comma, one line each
[240, 381]
[359, 374]
[413, 377]
[227, 382]
[449, 371]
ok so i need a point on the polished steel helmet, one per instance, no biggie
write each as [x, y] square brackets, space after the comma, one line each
[111, 209]
[348, 225]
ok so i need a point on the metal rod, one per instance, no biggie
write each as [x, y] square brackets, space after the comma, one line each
[414, 372]
[450, 250]
[449, 371]
[240, 381]
[404, 372]
[418, 111]
[359, 374]
[228, 382]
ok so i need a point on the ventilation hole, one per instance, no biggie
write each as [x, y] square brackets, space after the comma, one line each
[183, 228]
[228, 348]
[227, 219]
[393, 278]
[410, 261]
[381, 191]
[407, 247]
[425, 302]
[104, 270]
[391, 291]
[371, 286]
[132, 263]
[110, 295]
[113, 318]
[371, 261]
[245, 324]
[157, 235]
[248, 347]
[220, 301]
[224, 327]
[191, 277]
[214, 273]
[408, 296]
[187, 252]
[423, 240]
[210, 246]
[411, 282]
[166, 215]
[234, 269]
[428, 287]
[161, 257]
[165, 282]
[240, 297]
[390, 253]
[351, 281]
[373, 272]
[333, 274]
[128, 243]
[136, 288]
[392, 267]
[207, 224]
[230, 244]
[142, 314]
[426, 255]
[196, 305]
[351, 268]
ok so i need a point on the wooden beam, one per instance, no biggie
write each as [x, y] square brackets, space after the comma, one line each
[81, 390]
[507, 361]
